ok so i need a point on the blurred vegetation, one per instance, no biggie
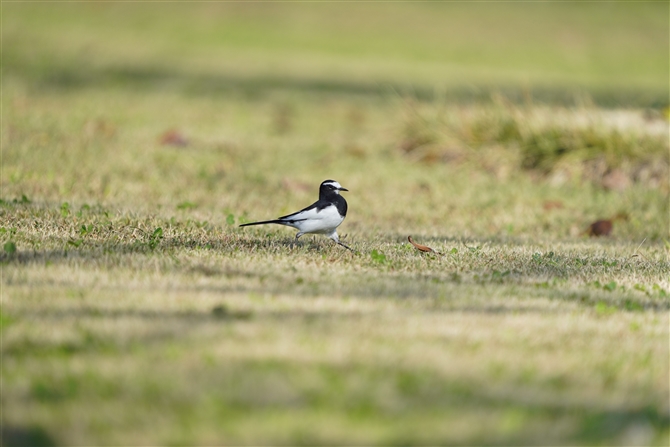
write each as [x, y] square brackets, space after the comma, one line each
[586, 143]
[614, 52]
[137, 136]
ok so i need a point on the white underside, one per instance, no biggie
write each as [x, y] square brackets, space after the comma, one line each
[325, 222]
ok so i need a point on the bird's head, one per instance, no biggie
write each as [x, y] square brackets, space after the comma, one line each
[330, 187]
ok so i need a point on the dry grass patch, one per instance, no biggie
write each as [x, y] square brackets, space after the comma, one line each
[613, 149]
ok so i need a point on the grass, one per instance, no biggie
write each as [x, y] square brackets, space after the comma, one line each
[136, 311]
[615, 52]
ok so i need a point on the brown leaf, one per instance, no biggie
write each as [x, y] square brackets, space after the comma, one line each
[600, 228]
[420, 247]
[173, 137]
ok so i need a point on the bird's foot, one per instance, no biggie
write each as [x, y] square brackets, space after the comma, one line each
[346, 246]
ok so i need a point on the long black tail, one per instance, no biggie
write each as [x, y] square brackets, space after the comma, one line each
[275, 221]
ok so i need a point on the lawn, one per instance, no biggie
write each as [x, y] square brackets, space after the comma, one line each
[137, 137]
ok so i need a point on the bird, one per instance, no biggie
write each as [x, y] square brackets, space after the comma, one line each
[321, 217]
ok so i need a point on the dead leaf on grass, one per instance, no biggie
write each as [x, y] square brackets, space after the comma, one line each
[423, 248]
[603, 227]
[600, 228]
[173, 137]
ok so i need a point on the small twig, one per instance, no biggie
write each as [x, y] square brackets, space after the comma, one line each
[635, 253]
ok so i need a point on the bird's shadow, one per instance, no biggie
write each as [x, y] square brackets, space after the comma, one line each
[307, 243]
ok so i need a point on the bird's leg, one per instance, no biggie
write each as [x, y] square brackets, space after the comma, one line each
[337, 241]
[345, 246]
[297, 236]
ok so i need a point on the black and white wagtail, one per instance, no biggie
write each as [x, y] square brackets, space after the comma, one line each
[321, 217]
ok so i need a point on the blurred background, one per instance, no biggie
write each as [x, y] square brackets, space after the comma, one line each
[612, 52]
[136, 137]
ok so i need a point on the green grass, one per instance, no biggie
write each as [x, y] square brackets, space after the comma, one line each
[135, 311]
[614, 52]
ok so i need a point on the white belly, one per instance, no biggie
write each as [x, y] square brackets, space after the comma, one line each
[322, 222]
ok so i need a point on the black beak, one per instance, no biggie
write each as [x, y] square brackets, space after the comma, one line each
[343, 189]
